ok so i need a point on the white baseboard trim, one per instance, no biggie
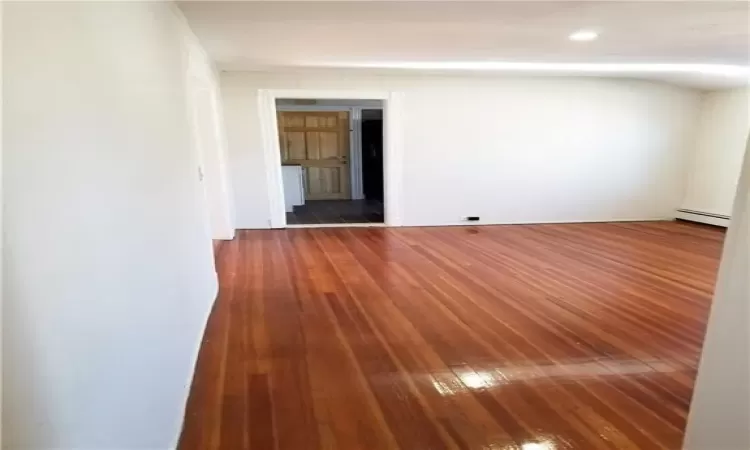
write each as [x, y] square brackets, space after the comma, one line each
[539, 222]
[702, 217]
[678, 215]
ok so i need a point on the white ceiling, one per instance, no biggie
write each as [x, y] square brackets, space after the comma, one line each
[483, 36]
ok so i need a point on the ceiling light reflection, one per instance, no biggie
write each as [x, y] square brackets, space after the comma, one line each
[477, 380]
[461, 381]
[444, 389]
[543, 445]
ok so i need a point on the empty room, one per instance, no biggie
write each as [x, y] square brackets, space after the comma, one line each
[383, 225]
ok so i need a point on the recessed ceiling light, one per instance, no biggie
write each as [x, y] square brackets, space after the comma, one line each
[583, 36]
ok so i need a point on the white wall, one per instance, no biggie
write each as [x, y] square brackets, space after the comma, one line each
[209, 135]
[107, 257]
[2, 232]
[509, 150]
[720, 409]
[719, 145]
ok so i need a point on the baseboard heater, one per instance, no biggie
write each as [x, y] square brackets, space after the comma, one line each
[703, 217]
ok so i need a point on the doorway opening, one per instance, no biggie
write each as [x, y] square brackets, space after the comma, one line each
[332, 161]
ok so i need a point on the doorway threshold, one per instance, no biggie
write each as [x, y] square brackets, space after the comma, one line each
[337, 225]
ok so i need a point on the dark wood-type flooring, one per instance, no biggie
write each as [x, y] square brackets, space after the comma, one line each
[533, 337]
[336, 211]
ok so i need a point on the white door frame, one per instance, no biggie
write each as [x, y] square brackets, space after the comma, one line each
[392, 146]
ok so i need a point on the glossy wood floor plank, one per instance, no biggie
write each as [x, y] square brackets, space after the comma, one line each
[569, 336]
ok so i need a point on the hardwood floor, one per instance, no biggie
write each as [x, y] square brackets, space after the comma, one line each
[538, 337]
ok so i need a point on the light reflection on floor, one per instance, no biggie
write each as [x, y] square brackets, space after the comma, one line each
[445, 383]
[545, 445]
